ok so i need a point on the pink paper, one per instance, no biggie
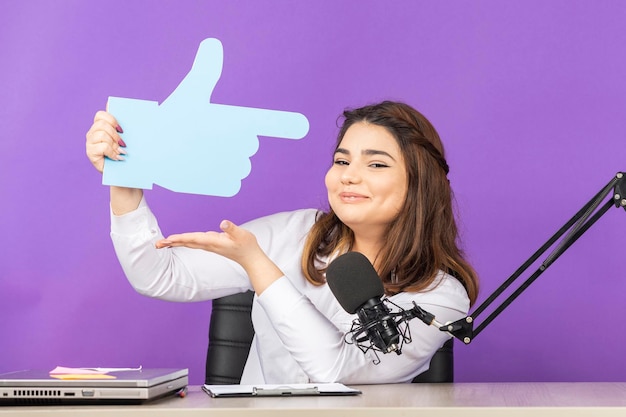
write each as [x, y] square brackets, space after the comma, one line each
[76, 371]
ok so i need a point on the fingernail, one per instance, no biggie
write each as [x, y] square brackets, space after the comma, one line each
[119, 129]
[121, 143]
[225, 224]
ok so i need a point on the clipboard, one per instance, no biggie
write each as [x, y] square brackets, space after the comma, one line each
[278, 390]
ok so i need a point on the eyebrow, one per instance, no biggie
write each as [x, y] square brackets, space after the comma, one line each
[366, 152]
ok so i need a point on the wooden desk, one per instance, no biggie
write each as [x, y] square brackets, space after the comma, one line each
[442, 400]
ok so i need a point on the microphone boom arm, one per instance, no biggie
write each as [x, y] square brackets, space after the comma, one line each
[581, 222]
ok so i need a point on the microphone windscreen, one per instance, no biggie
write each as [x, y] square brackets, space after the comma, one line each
[353, 280]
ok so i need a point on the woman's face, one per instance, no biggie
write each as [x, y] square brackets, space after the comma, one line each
[367, 183]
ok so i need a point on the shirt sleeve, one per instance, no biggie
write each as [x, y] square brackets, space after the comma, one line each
[173, 274]
[318, 343]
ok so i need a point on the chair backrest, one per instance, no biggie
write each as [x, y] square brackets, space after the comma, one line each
[230, 337]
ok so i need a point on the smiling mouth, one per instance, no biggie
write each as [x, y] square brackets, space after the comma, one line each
[352, 197]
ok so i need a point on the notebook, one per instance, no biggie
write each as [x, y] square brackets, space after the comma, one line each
[290, 390]
[33, 387]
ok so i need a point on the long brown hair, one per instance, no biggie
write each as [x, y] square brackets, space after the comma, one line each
[424, 234]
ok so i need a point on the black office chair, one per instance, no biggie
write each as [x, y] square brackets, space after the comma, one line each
[231, 332]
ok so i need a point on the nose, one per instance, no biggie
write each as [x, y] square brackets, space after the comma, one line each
[350, 175]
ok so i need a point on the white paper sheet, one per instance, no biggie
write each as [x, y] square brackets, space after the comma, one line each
[274, 390]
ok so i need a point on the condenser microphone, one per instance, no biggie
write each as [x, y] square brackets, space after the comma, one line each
[358, 288]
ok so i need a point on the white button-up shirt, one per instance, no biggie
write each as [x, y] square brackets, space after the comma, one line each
[299, 327]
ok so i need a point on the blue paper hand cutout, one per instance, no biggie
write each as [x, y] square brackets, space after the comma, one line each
[188, 144]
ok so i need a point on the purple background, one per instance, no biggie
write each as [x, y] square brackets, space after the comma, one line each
[528, 96]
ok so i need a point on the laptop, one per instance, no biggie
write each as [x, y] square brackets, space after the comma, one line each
[32, 387]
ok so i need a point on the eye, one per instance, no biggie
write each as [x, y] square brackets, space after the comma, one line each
[341, 162]
[379, 165]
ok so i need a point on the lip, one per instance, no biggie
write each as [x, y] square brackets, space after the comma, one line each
[349, 197]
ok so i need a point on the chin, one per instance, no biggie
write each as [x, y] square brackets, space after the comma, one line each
[354, 222]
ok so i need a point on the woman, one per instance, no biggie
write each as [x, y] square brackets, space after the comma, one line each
[389, 199]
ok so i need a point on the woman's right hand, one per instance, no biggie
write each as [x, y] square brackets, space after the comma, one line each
[104, 140]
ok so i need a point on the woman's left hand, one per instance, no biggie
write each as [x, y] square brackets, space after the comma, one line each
[233, 243]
